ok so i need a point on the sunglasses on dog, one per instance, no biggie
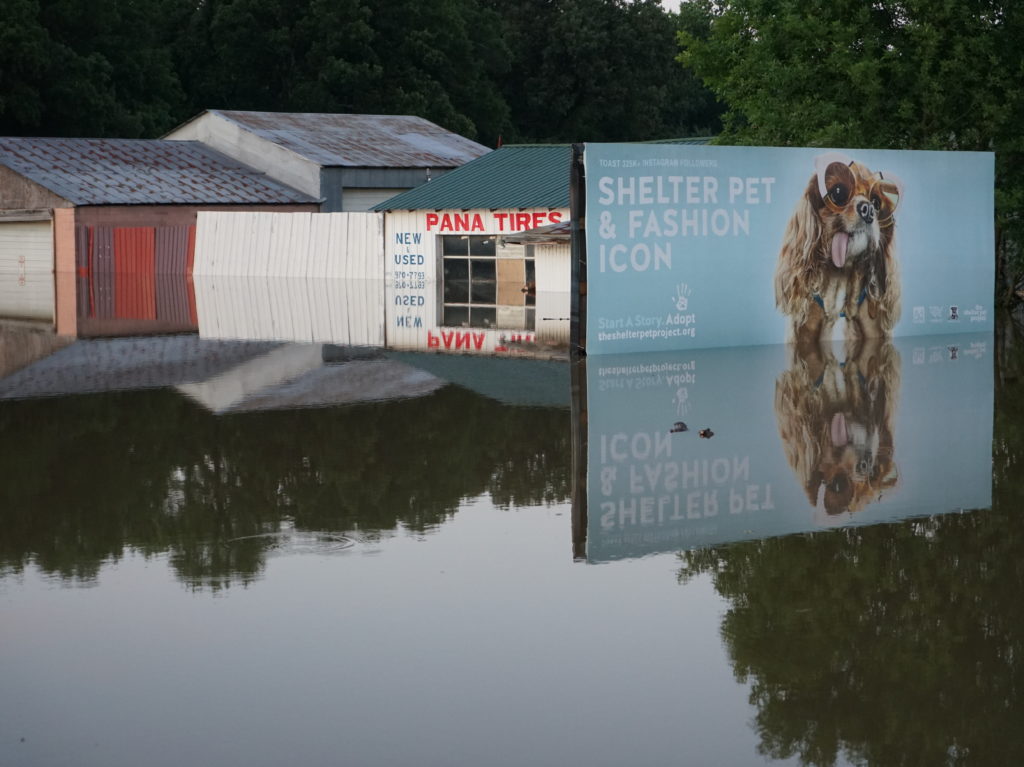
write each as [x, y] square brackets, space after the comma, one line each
[838, 183]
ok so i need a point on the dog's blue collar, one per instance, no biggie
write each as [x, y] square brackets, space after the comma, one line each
[860, 299]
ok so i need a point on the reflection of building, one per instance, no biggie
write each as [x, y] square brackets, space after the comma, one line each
[553, 268]
[115, 219]
[234, 376]
[351, 162]
[222, 376]
[457, 277]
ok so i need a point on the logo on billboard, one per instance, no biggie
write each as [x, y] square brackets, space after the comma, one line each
[682, 299]
[682, 401]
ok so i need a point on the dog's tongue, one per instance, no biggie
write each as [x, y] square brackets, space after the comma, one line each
[839, 435]
[839, 243]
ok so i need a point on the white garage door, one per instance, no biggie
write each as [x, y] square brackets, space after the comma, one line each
[357, 198]
[26, 270]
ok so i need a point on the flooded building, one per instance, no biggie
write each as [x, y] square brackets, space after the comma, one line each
[458, 276]
[98, 234]
[350, 161]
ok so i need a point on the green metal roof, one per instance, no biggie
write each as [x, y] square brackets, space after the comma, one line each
[514, 176]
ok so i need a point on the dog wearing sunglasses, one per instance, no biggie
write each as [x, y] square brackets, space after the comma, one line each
[838, 256]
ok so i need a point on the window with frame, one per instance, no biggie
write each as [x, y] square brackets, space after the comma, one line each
[487, 283]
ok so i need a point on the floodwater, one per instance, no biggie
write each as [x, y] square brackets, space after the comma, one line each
[217, 552]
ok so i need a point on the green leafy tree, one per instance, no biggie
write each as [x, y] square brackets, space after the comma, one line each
[443, 58]
[95, 69]
[915, 74]
[600, 70]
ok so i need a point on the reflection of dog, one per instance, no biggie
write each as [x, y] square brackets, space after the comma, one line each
[836, 423]
[838, 257]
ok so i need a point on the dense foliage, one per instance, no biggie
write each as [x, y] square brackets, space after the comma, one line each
[903, 74]
[891, 74]
[526, 70]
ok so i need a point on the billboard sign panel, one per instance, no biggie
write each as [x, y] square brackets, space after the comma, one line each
[710, 446]
[703, 246]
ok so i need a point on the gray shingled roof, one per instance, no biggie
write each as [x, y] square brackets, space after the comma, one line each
[141, 172]
[514, 176]
[364, 141]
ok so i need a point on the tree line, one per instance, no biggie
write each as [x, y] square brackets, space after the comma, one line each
[891, 74]
[517, 71]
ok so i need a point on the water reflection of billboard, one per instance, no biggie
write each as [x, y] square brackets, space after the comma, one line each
[719, 445]
[701, 246]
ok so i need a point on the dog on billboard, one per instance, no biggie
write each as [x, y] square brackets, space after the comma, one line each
[838, 256]
[836, 422]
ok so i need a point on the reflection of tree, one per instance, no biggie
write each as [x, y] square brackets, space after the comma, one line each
[893, 644]
[81, 478]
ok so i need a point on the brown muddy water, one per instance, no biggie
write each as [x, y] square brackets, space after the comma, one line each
[255, 553]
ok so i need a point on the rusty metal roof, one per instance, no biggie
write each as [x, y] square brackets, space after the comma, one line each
[543, 235]
[362, 141]
[141, 172]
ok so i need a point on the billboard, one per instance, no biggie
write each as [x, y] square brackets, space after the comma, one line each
[703, 246]
[695, 448]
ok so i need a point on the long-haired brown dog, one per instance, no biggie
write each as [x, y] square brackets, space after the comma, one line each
[836, 422]
[838, 257]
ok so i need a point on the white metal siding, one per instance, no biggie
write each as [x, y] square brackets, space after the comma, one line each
[26, 270]
[317, 245]
[554, 302]
[316, 277]
[355, 199]
[553, 268]
[337, 311]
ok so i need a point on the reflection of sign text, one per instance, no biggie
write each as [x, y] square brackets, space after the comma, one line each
[644, 486]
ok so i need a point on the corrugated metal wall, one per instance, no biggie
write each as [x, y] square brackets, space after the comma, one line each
[304, 245]
[135, 273]
[554, 268]
[306, 310]
[316, 277]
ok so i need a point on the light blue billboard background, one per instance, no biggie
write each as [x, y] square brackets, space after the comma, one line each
[714, 286]
[899, 430]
